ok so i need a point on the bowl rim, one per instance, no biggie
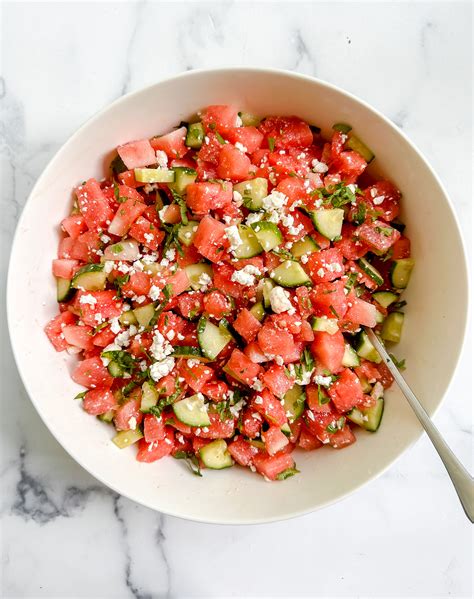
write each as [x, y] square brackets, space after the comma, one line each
[252, 71]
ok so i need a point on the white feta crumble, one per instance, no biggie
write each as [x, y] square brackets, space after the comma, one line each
[274, 201]
[88, 299]
[170, 335]
[334, 267]
[143, 365]
[259, 400]
[279, 360]
[162, 212]
[318, 166]
[115, 325]
[257, 385]
[160, 369]
[378, 200]
[351, 187]
[160, 348]
[237, 197]
[204, 281]
[240, 146]
[161, 158]
[132, 423]
[192, 363]
[154, 293]
[325, 381]
[280, 300]
[253, 217]
[149, 237]
[109, 266]
[320, 272]
[232, 234]
[123, 338]
[304, 258]
[149, 187]
[245, 276]
[104, 238]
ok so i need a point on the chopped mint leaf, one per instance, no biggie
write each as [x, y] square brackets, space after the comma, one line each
[191, 460]
[271, 143]
[81, 395]
[400, 364]
[287, 473]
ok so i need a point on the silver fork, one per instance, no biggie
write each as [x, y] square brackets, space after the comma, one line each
[463, 482]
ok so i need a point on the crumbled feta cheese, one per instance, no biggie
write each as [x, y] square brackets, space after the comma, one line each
[318, 166]
[378, 200]
[253, 217]
[192, 363]
[149, 258]
[149, 237]
[88, 299]
[240, 146]
[132, 423]
[334, 267]
[245, 276]
[123, 338]
[154, 293]
[170, 335]
[109, 266]
[325, 381]
[279, 360]
[123, 268]
[162, 212]
[274, 201]
[160, 348]
[149, 187]
[115, 325]
[304, 258]
[170, 254]
[257, 385]
[232, 234]
[351, 187]
[160, 369]
[143, 365]
[320, 272]
[204, 280]
[280, 300]
[104, 238]
[237, 197]
[259, 400]
[161, 158]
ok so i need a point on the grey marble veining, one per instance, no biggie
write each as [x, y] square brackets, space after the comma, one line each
[65, 535]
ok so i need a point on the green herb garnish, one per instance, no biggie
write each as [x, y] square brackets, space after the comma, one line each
[271, 143]
[191, 460]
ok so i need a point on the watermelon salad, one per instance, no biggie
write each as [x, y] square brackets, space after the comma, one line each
[213, 288]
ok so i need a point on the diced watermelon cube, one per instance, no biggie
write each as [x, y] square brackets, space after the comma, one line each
[203, 197]
[275, 440]
[328, 350]
[171, 143]
[346, 392]
[272, 466]
[99, 401]
[276, 379]
[136, 154]
[247, 325]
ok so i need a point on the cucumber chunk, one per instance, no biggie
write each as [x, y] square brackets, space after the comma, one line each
[249, 120]
[323, 323]
[90, 278]
[342, 127]
[195, 136]
[212, 338]
[368, 418]
[149, 397]
[307, 245]
[379, 317]
[268, 234]
[365, 349]
[253, 192]
[126, 438]
[294, 402]
[385, 298]
[107, 417]
[350, 359]
[154, 175]
[144, 314]
[401, 272]
[328, 222]
[249, 246]
[290, 274]
[128, 318]
[267, 286]
[192, 411]
[215, 455]
[258, 311]
[187, 232]
[188, 351]
[183, 177]
[63, 289]
[357, 145]
[392, 327]
[195, 274]
[370, 270]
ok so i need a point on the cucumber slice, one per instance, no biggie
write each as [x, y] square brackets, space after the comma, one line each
[253, 192]
[192, 411]
[342, 127]
[268, 234]
[187, 232]
[355, 144]
[115, 369]
[144, 314]
[183, 177]
[267, 286]
[126, 438]
[215, 455]
[258, 311]
[91, 277]
[401, 272]
[290, 274]
[368, 418]
[392, 327]
[188, 351]
[307, 245]
[371, 271]
[149, 397]
[128, 318]
[365, 349]
[350, 359]
[154, 175]
[63, 289]
[385, 298]
[294, 402]
[195, 136]
[323, 323]
[249, 120]
[212, 339]
[250, 245]
[107, 417]
[328, 222]
[379, 317]
[196, 271]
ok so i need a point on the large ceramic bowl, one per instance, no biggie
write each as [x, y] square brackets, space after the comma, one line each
[433, 334]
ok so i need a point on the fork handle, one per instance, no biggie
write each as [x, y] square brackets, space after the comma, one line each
[463, 482]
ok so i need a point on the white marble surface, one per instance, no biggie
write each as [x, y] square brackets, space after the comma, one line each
[63, 534]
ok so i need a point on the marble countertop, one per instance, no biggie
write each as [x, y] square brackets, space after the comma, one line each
[65, 535]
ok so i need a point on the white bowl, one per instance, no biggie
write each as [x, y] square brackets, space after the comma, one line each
[434, 329]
